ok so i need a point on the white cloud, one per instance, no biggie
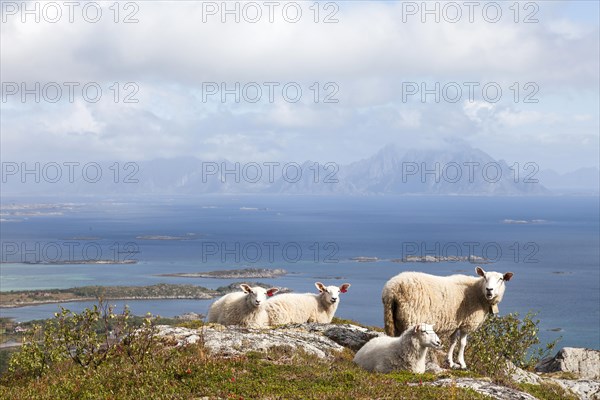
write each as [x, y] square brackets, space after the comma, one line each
[409, 119]
[513, 118]
[368, 54]
[568, 29]
[77, 119]
[477, 110]
[582, 117]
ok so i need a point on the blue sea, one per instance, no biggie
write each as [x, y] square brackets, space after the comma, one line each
[552, 245]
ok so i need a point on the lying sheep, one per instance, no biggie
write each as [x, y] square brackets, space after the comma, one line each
[298, 308]
[456, 305]
[246, 308]
[407, 352]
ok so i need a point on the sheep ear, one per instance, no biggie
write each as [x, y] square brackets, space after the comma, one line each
[320, 286]
[507, 276]
[246, 288]
[272, 291]
[344, 287]
[480, 271]
[417, 327]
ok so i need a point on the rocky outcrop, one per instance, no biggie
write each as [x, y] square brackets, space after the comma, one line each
[581, 364]
[190, 316]
[585, 389]
[521, 376]
[584, 363]
[325, 340]
[486, 387]
[346, 335]
[322, 340]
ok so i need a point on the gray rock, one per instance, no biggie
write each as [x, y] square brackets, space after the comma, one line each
[350, 336]
[584, 389]
[486, 387]
[325, 340]
[193, 339]
[177, 336]
[347, 335]
[190, 316]
[322, 340]
[585, 363]
[433, 367]
[521, 376]
[235, 341]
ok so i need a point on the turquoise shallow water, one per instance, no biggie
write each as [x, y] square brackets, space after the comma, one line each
[555, 258]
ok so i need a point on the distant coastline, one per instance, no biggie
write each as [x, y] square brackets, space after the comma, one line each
[161, 291]
[425, 259]
[244, 273]
[363, 259]
[24, 298]
[435, 259]
[70, 262]
[188, 236]
[523, 221]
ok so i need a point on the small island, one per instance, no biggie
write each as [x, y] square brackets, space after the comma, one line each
[89, 293]
[434, 259]
[523, 221]
[365, 259]
[72, 262]
[188, 236]
[161, 291]
[245, 273]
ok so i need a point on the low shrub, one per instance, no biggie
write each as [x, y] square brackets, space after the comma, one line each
[506, 338]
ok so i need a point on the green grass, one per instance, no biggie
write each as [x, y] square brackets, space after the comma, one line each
[190, 374]
[547, 391]
[133, 370]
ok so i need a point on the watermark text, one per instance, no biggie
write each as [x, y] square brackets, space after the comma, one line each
[69, 252]
[54, 92]
[53, 12]
[68, 172]
[269, 252]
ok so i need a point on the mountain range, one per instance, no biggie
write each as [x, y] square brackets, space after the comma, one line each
[452, 170]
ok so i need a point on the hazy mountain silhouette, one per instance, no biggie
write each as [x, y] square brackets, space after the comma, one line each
[454, 169]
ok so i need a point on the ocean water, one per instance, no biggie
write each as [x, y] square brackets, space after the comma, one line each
[552, 245]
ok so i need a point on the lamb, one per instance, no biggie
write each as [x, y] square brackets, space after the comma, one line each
[246, 308]
[457, 305]
[407, 352]
[299, 308]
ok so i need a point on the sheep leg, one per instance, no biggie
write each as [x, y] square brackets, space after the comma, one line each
[450, 357]
[461, 350]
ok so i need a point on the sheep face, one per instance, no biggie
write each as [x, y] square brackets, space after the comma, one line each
[427, 336]
[331, 294]
[257, 295]
[494, 284]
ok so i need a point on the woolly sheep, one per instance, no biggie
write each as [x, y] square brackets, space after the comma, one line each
[407, 352]
[457, 304]
[246, 308]
[298, 308]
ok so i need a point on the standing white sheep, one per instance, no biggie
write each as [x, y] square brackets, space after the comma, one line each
[457, 304]
[246, 308]
[290, 308]
[407, 352]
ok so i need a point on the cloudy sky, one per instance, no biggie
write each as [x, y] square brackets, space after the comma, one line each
[327, 81]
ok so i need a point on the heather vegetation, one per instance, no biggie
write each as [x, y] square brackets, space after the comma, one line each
[101, 353]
